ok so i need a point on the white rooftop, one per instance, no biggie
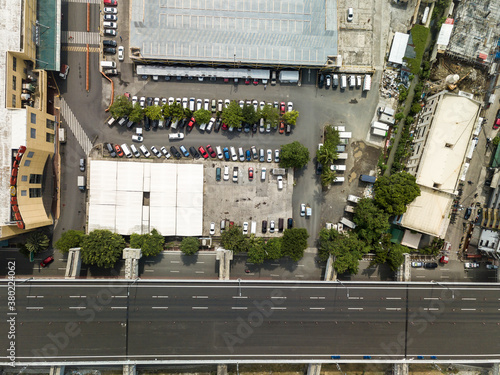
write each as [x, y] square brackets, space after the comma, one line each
[444, 34]
[136, 197]
[398, 48]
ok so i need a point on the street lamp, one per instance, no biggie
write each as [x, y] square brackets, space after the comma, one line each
[444, 286]
[340, 282]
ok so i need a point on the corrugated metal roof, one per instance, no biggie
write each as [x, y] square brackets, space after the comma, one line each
[398, 48]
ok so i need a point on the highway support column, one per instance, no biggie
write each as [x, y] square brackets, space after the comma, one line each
[57, 370]
[224, 257]
[129, 370]
[330, 273]
[314, 369]
[221, 369]
[400, 369]
[131, 257]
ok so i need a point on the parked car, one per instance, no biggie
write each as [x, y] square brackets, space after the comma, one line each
[245, 227]
[226, 173]
[194, 153]
[184, 151]
[111, 150]
[165, 152]
[175, 136]
[430, 265]
[203, 152]
[468, 212]
[271, 226]
[235, 174]
[175, 152]
[109, 32]
[350, 15]
[109, 10]
[118, 150]
[137, 138]
[109, 50]
[250, 173]
[110, 17]
[290, 106]
[321, 81]
[121, 53]
[82, 165]
[226, 154]
[302, 209]
[269, 155]
[155, 151]
[491, 266]
[471, 265]
[112, 3]
[144, 151]
[211, 151]
[277, 156]
[328, 81]
[44, 263]
[416, 264]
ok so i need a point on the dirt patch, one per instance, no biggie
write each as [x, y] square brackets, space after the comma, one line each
[365, 159]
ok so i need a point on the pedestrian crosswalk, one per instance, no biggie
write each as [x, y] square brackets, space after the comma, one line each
[79, 37]
[80, 49]
[75, 127]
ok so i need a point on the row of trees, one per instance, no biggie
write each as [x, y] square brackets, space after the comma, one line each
[233, 115]
[292, 244]
[371, 216]
[327, 154]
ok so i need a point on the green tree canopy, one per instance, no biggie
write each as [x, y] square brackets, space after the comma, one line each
[36, 242]
[102, 248]
[395, 257]
[371, 221]
[249, 114]
[393, 193]
[327, 176]
[137, 113]
[202, 116]
[291, 117]
[270, 114]
[69, 239]
[332, 138]
[154, 112]
[294, 155]
[256, 252]
[121, 107]
[348, 249]
[234, 239]
[190, 245]
[294, 242]
[174, 110]
[273, 248]
[232, 115]
[326, 156]
[151, 244]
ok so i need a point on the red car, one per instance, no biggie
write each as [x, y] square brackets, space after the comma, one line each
[110, 3]
[255, 82]
[211, 151]
[46, 261]
[282, 107]
[224, 126]
[191, 124]
[282, 127]
[250, 173]
[118, 150]
[203, 152]
[247, 81]
[497, 120]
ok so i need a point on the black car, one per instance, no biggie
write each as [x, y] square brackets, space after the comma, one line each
[111, 150]
[147, 124]
[149, 101]
[468, 212]
[182, 123]
[321, 81]
[247, 128]
[290, 223]
[255, 127]
[175, 152]
[218, 123]
[194, 152]
[155, 123]
[264, 226]
[109, 50]
[430, 265]
[168, 122]
[109, 43]
[130, 123]
[319, 168]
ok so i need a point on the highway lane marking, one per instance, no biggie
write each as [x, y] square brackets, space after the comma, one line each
[278, 297]
[278, 308]
[433, 298]
[445, 269]
[299, 275]
[175, 271]
[34, 296]
[77, 307]
[273, 275]
[199, 297]
[199, 271]
[316, 308]
[149, 270]
[159, 307]
[62, 268]
[300, 265]
[354, 308]
[393, 308]
[445, 277]
[118, 307]
[275, 264]
[355, 297]
[118, 296]
[63, 260]
[199, 308]
[77, 296]
[468, 309]
[392, 297]
[34, 308]
[243, 297]
[239, 308]
[420, 276]
[431, 309]
[468, 298]
[313, 297]
[174, 261]
[200, 262]
[159, 296]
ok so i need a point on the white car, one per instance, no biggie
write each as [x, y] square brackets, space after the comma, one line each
[350, 15]
[157, 101]
[226, 173]
[302, 209]
[145, 151]
[109, 25]
[163, 101]
[417, 264]
[226, 103]
[134, 100]
[241, 103]
[110, 10]
[156, 152]
[277, 156]
[269, 155]
[245, 227]
[134, 151]
[206, 105]
[212, 228]
[199, 104]
[220, 154]
[271, 226]
[290, 107]
[142, 101]
[137, 138]
[171, 100]
[220, 105]
[262, 104]
[184, 103]
[280, 182]
[166, 153]
[234, 155]
[175, 136]
[255, 104]
[191, 104]
[210, 124]
[178, 100]
[121, 53]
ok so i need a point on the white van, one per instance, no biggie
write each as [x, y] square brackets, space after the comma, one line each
[253, 227]
[342, 156]
[241, 153]
[339, 180]
[234, 156]
[135, 151]
[126, 150]
[352, 81]
[263, 174]
[108, 64]
[343, 82]
[219, 152]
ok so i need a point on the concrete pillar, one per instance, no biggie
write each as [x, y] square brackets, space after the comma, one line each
[400, 369]
[221, 369]
[314, 369]
[73, 264]
[330, 273]
[224, 257]
[57, 370]
[131, 257]
[129, 370]
[495, 369]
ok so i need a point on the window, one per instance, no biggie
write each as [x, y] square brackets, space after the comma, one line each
[33, 118]
[14, 81]
[35, 178]
[33, 133]
[27, 163]
[50, 124]
[35, 193]
[23, 193]
[24, 178]
[13, 100]
[30, 154]
[49, 137]
[14, 64]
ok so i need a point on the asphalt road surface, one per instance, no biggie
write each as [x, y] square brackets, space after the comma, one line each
[81, 321]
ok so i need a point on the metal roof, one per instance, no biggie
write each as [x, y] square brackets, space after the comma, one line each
[294, 32]
[398, 48]
[160, 70]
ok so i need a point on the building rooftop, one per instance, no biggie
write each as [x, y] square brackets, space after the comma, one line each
[274, 32]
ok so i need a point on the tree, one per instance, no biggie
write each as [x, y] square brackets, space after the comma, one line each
[249, 114]
[174, 110]
[371, 221]
[202, 116]
[294, 155]
[393, 193]
[399, 116]
[234, 239]
[294, 242]
[232, 115]
[121, 107]
[151, 244]
[291, 117]
[327, 176]
[190, 245]
[326, 156]
[273, 248]
[348, 249]
[332, 138]
[102, 248]
[395, 257]
[69, 239]
[256, 252]
[270, 114]
[137, 113]
[36, 242]
[154, 112]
